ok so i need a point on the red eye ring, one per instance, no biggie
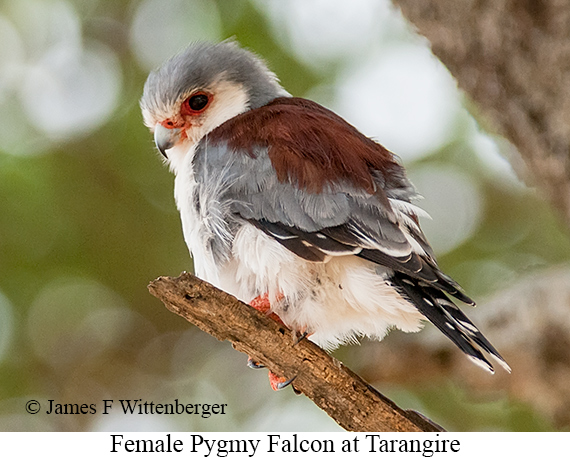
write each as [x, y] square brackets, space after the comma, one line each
[196, 103]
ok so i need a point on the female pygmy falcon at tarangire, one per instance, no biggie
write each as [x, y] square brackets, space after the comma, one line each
[287, 206]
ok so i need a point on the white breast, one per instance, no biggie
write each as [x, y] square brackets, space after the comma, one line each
[199, 224]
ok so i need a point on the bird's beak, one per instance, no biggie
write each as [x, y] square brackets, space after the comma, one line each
[165, 138]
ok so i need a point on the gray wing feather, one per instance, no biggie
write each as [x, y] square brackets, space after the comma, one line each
[341, 220]
[256, 193]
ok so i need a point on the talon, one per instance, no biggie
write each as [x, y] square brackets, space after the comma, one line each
[298, 338]
[279, 382]
[285, 383]
[253, 364]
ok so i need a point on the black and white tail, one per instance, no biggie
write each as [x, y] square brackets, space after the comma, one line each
[449, 319]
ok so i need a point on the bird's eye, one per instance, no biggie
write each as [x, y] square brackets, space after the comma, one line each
[197, 103]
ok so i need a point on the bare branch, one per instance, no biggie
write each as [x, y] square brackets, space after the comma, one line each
[344, 396]
[511, 58]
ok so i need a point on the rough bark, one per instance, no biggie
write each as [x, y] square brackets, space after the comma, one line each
[511, 57]
[352, 403]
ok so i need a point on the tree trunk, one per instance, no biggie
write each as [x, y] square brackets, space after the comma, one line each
[511, 57]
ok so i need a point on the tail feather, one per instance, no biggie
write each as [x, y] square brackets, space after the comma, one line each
[449, 319]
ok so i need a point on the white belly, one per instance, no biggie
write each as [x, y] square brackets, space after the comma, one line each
[336, 301]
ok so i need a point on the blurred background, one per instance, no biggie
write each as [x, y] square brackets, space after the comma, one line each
[88, 219]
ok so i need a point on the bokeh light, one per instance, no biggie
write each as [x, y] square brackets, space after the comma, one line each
[161, 29]
[453, 201]
[67, 85]
[70, 91]
[74, 319]
[402, 97]
[327, 30]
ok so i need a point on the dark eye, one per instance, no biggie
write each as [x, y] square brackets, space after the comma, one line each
[198, 102]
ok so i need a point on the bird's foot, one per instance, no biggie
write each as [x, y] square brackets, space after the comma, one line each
[263, 305]
[276, 382]
[253, 364]
[279, 382]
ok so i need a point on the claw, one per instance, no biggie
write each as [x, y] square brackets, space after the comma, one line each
[298, 338]
[253, 364]
[278, 382]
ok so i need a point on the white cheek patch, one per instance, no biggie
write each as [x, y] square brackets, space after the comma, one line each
[230, 99]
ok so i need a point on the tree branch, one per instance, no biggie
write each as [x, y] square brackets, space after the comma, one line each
[344, 396]
[511, 57]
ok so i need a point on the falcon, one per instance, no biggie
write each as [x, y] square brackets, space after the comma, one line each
[287, 206]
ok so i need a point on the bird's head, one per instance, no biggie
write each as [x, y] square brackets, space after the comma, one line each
[199, 89]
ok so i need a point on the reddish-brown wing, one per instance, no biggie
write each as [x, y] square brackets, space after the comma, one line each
[312, 147]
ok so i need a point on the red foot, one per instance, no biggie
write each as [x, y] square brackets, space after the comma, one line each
[278, 382]
[262, 304]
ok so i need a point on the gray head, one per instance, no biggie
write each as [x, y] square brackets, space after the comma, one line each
[202, 87]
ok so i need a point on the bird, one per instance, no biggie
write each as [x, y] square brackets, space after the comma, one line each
[288, 207]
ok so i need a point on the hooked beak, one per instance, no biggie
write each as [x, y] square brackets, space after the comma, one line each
[165, 138]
